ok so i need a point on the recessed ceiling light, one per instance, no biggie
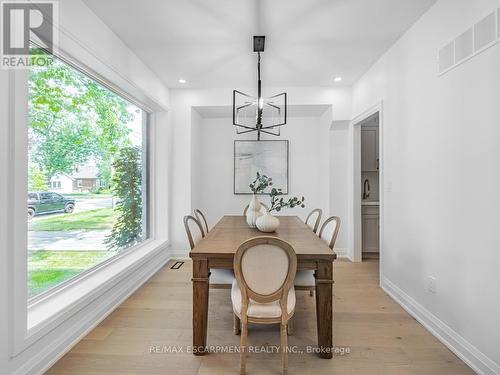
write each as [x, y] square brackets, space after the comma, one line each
[182, 80]
[337, 79]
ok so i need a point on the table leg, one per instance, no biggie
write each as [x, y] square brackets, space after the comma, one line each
[324, 308]
[200, 306]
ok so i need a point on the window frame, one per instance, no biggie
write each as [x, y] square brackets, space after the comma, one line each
[33, 319]
[79, 182]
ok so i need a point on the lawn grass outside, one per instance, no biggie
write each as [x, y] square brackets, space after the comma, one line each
[47, 269]
[102, 218]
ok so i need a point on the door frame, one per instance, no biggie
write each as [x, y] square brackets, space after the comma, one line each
[355, 219]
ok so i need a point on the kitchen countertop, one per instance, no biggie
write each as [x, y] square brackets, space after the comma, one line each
[368, 203]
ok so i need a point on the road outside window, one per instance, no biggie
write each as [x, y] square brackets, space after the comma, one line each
[87, 183]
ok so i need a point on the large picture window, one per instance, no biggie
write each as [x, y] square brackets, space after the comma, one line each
[87, 175]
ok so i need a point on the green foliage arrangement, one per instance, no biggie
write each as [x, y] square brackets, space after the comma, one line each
[261, 183]
[127, 186]
[278, 203]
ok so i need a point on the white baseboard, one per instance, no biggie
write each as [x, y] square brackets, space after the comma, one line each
[343, 253]
[179, 255]
[94, 314]
[467, 352]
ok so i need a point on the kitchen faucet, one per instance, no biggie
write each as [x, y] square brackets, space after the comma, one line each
[366, 189]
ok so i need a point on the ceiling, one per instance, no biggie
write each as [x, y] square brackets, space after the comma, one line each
[308, 42]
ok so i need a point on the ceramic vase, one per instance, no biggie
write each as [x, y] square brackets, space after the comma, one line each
[253, 212]
[267, 223]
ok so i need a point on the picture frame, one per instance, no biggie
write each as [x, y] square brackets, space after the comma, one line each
[268, 157]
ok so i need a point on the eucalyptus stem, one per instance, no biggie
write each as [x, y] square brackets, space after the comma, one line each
[278, 203]
[261, 183]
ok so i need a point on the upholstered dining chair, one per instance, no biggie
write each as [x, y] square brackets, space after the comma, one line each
[304, 279]
[219, 278]
[201, 219]
[264, 207]
[313, 223]
[263, 291]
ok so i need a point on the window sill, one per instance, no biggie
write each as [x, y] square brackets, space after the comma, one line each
[52, 310]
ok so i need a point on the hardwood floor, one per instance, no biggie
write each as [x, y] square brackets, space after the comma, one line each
[381, 337]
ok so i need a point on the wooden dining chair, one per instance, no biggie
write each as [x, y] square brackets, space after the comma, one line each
[310, 222]
[265, 207]
[263, 291]
[304, 280]
[218, 278]
[201, 219]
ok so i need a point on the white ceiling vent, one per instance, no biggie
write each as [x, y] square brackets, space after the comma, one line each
[470, 43]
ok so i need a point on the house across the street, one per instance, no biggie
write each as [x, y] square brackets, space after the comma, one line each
[83, 179]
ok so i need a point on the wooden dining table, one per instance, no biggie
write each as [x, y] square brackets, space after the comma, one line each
[217, 249]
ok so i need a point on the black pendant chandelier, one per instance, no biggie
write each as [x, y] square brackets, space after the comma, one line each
[258, 114]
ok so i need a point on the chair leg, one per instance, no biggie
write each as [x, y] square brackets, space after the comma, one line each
[290, 327]
[236, 324]
[243, 348]
[284, 352]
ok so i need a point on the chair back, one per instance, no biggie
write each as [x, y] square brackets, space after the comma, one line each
[329, 230]
[201, 219]
[311, 222]
[265, 268]
[194, 230]
[248, 205]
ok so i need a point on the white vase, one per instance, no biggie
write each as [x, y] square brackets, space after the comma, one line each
[254, 204]
[253, 212]
[267, 223]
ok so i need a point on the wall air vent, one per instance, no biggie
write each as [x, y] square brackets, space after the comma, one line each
[463, 46]
[470, 43]
[446, 59]
[484, 32]
[498, 23]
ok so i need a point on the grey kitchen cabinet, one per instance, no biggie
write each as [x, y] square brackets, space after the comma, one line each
[369, 149]
[370, 229]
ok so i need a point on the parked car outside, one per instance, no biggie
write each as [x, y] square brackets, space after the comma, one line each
[44, 202]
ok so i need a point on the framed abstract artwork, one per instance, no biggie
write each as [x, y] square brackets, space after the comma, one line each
[269, 158]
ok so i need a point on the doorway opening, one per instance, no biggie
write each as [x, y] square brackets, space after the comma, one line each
[367, 185]
[370, 197]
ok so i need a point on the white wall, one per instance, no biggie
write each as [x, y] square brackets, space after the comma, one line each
[213, 190]
[88, 40]
[441, 152]
[198, 140]
[182, 101]
[339, 181]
